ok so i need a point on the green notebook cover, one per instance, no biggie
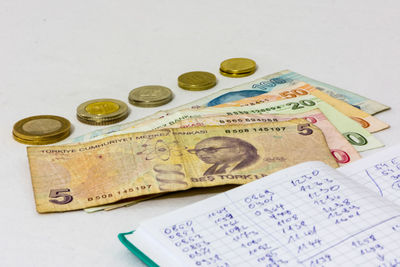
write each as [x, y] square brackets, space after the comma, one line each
[146, 260]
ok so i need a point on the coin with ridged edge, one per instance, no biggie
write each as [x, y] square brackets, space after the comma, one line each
[237, 67]
[150, 96]
[197, 80]
[102, 111]
[236, 75]
[41, 130]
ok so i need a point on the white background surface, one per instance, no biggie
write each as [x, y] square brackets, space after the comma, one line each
[55, 55]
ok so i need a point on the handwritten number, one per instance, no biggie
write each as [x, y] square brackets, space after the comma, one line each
[396, 185]
[57, 193]
[303, 129]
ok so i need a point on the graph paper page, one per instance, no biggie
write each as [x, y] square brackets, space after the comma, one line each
[379, 172]
[306, 215]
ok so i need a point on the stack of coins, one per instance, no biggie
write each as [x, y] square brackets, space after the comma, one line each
[102, 111]
[197, 80]
[41, 130]
[150, 96]
[237, 67]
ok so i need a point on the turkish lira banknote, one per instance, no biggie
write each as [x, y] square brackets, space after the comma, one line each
[83, 175]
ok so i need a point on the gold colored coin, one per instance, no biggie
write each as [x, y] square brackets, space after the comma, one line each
[102, 122]
[42, 142]
[197, 80]
[42, 129]
[102, 108]
[150, 104]
[102, 111]
[150, 96]
[236, 75]
[238, 66]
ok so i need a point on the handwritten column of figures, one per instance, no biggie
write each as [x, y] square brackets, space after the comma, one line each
[388, 170]
[268, 229]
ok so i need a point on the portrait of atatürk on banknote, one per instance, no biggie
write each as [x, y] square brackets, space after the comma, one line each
[227, 154]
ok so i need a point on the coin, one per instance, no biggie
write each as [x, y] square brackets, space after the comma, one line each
[41, 130]
[237, 67]
[197, 80]
[236, 75]
[102, 111]
[150, 96]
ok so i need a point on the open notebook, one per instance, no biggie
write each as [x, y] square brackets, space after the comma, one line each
[306, 215]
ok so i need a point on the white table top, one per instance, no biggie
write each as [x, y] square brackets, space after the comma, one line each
[55, 55]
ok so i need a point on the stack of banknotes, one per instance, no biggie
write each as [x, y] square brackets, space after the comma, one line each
[233, 136]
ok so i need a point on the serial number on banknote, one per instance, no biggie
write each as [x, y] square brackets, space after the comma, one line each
[255, 120]
[120, 192]
[260, 129]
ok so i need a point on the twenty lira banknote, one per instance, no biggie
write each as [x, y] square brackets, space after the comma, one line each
[77, 176]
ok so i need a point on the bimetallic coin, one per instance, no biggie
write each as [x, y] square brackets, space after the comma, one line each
[197, 80]
[102, 111]
[237, 67]
[150, 96]
[41, 130]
